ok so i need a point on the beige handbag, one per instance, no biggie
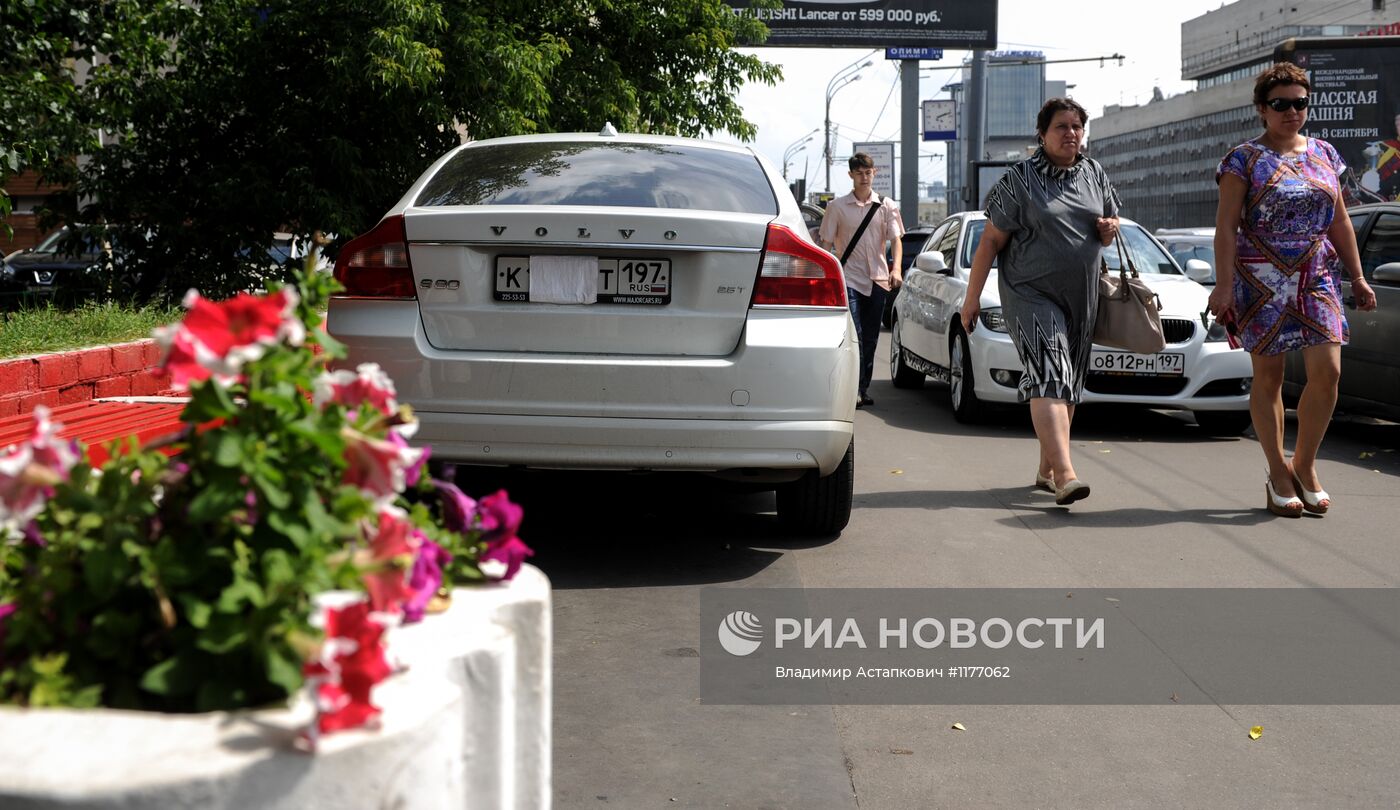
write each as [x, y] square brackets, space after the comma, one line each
[1129, 312]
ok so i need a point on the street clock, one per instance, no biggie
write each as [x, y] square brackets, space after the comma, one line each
[940, 120]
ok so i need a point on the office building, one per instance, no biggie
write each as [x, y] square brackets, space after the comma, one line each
[1016, 90]
[1162, 155]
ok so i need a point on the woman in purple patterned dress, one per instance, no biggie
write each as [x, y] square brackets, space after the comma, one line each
[1282, 240]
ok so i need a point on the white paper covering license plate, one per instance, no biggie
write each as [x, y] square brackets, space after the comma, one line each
[620, 281]
[1165, 364]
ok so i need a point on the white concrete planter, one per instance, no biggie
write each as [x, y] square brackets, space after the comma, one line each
[467, 726]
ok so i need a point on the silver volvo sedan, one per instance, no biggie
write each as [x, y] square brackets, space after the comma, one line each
[618, 302]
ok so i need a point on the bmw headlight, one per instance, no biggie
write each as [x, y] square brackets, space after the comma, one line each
[992, 319]
[7, 271]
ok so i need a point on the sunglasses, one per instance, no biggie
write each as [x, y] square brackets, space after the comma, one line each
[1281, 104]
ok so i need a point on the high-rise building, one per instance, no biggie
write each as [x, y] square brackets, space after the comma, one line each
[1161, 156]
[1016, 90]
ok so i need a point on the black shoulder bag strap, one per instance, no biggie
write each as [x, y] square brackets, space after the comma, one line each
[851, 245]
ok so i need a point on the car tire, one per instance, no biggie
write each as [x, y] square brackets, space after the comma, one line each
[1223, 423]
[820, 505]
[900, 373]
[967, 408]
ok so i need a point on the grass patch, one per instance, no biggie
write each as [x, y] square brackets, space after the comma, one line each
[42, 329]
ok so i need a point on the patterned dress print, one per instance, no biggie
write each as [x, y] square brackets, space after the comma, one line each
[1287, 274]
[1047, 273]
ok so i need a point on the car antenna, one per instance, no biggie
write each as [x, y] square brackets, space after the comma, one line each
[608, 130]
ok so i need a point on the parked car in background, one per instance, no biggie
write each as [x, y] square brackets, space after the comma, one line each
[911, 245]
[67, 264]
[812, 218]
[1188, 245]
[614, 302]
[1197, 371]
[1370, 382]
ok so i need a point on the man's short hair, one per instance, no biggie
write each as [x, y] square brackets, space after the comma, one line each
[860, 160]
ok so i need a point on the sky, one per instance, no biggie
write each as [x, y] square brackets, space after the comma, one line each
[1148, 34]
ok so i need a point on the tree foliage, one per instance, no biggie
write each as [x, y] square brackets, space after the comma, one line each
[53, 73]
[315, 115]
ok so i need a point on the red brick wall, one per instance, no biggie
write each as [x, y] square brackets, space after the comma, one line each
[123, 370]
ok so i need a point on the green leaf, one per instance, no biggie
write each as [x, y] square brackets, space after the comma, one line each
[223, 634]
[175, 676]
[196, 612]
[270, 486]
[283, 667]
[104, 570]
[228, 449]
[239, 595]
[278, 571]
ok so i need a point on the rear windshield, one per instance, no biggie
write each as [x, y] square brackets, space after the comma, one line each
[611, 174]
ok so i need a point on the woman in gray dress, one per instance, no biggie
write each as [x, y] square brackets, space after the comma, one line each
[1047, 220]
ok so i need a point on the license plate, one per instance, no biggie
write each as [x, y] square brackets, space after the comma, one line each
[620, 281]
[1137, 365]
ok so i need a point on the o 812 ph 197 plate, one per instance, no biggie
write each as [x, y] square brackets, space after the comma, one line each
[1163, 364]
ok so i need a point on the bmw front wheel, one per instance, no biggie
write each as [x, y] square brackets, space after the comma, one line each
[967, 408]
[900, 373]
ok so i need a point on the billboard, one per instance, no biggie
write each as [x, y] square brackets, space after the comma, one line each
[878, 23]
[883, 155]
[1355, 107]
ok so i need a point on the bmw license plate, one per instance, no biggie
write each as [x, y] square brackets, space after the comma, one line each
[1165, 364]
[1130, 364]
[620, 281]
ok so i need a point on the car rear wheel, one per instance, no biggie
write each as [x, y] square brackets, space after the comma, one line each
[900, 373]
[820, 505]
[1223, 423]
[967, 408]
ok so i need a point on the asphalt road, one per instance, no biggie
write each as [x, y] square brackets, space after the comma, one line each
[939, 504]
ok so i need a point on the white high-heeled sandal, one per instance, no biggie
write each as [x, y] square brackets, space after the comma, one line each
[1291, 506]
[1316, 502]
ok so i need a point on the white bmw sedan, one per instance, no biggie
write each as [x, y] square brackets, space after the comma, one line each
[613, 302]
[1197, 371]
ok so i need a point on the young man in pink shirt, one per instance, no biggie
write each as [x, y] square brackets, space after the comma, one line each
[868, 278]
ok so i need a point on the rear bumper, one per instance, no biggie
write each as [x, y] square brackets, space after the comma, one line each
[783, 399]
[633, 444]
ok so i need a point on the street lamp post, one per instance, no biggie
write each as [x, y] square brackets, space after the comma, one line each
[843, 77]
[793, 149]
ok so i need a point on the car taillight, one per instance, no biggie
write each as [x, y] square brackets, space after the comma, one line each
[796, 273]
[375, 264]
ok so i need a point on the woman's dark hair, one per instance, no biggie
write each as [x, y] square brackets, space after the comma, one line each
[1280, 74]
[1057, 105]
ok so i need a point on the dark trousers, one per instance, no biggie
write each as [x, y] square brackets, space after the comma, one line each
[866, 311]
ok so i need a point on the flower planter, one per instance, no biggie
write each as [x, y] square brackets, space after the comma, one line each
[467, 725]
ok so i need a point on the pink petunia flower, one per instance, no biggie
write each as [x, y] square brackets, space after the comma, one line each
[500, 518]
[458, 510]
[394, 543]
[415, 470]
[377, 466]
[368, 384]
[5, 610]
[352, 661]
[502, 560]
[29, 471]
[215, 339]
[425, 578]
